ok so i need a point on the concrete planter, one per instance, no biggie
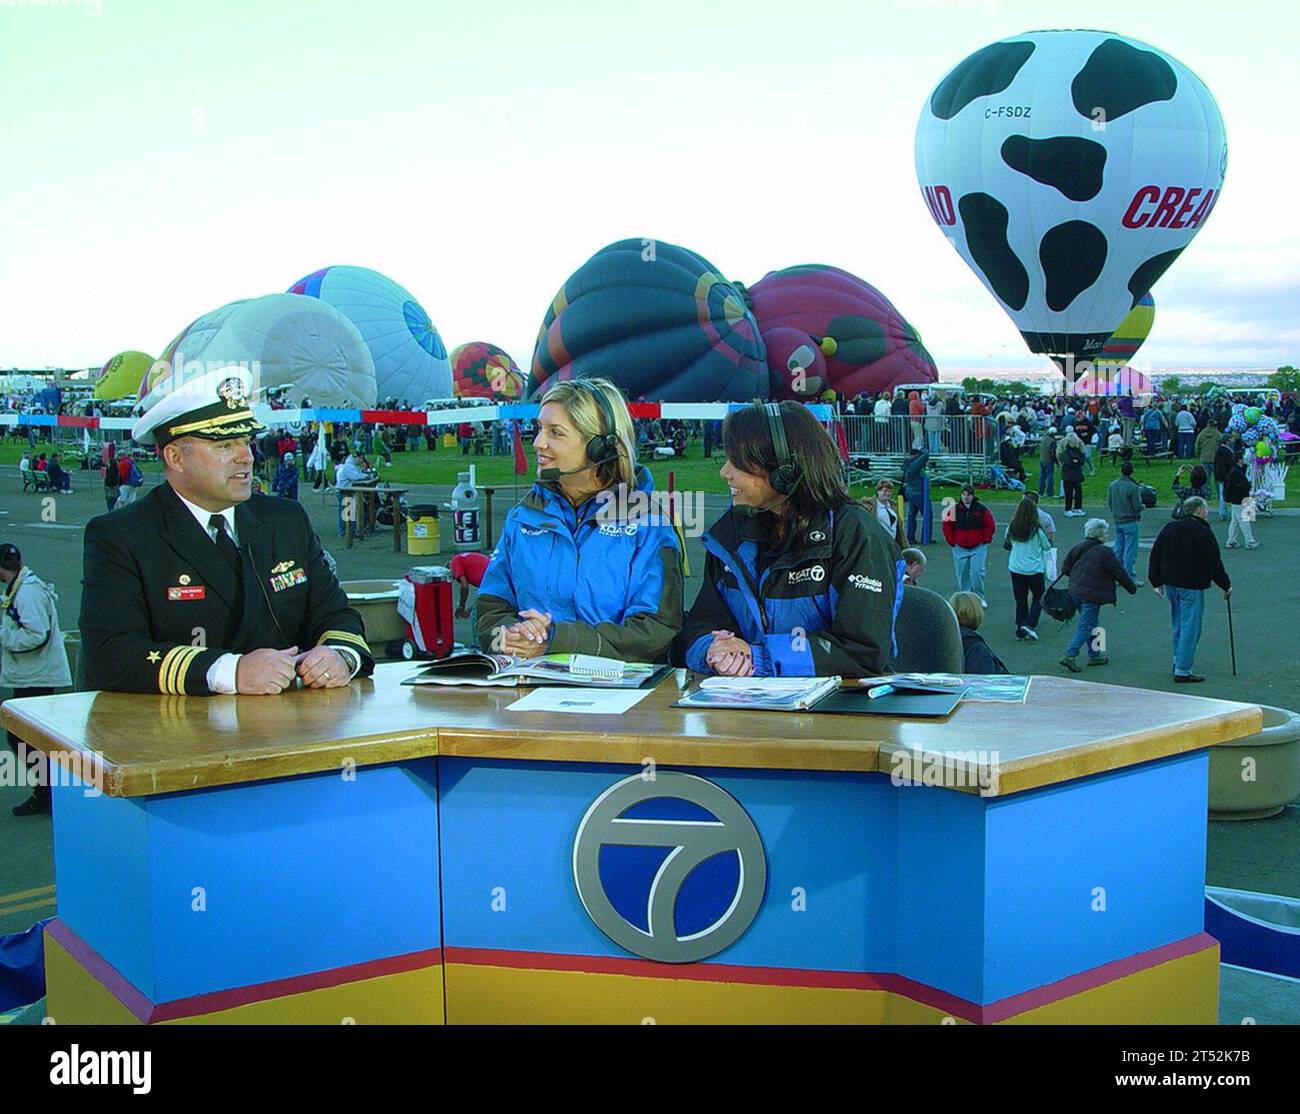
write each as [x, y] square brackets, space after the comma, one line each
[376, 602]
[1257, 776]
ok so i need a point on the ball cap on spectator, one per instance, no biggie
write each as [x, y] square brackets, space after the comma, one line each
[213, 405]
[10, 558]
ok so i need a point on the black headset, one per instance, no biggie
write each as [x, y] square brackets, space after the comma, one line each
[786, 475]
[602, 448]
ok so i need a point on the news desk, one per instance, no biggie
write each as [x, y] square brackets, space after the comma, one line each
[381, 853]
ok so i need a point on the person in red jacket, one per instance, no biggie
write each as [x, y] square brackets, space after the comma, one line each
[969, 526]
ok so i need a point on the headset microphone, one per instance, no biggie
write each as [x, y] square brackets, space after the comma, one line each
[551, 474]
[787, 473]
[601, 449]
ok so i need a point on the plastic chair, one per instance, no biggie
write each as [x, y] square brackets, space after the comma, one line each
[929, 639]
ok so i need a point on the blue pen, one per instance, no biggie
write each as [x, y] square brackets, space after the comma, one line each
[880, 690]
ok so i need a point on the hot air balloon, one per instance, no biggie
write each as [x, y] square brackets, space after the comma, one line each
[1113, 382]
[825, 328]
[410, 359]
[1070, 169]
[659, 321]
[1130, 336]
[301, 344]
[122, 374]
[482, 370]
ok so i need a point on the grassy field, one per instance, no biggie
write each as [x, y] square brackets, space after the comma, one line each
[692, 473]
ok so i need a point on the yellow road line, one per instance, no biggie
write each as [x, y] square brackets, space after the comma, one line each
[20, 894]
[6, 910]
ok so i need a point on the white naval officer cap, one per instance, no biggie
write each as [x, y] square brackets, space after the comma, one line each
[213, 405]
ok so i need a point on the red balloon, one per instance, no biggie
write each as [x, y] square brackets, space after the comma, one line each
[860, 339]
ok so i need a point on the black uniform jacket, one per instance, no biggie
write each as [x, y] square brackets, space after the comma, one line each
[159, 604]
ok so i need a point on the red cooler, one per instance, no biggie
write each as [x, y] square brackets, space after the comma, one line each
[424, 602]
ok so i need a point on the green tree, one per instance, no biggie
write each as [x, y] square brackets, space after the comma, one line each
[1171, 385]
[1286, 378]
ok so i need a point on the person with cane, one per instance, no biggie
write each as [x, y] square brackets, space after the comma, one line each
[1185, 561]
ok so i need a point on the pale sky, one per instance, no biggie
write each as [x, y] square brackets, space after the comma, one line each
[164, 157]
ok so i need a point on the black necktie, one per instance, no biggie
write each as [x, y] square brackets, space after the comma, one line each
[225, 546]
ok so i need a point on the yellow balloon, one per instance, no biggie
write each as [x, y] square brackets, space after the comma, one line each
[122, 374]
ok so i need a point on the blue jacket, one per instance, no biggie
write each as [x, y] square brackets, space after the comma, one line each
[825, 604]
[286, 481]
[609, 575]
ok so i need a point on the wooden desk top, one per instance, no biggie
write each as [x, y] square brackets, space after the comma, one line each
[158, 744]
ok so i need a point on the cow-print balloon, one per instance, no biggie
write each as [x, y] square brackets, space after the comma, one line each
[1144, 278]
[1070, 164]
[985, 218]
[1119, 78]
[984, 74]
[1072, 255]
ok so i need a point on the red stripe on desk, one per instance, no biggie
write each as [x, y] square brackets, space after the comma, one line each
[101, 970]
[139, 1004]
[720, 972]
[839, 980]
[1097, 976]
[643, 409]
[298, 984]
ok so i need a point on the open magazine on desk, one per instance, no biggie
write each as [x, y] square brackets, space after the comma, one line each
[504, 671]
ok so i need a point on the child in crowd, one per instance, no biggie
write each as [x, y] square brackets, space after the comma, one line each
[979, 656]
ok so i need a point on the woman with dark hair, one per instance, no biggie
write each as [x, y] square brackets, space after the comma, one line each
[969, 526]
[1198, 483]
[800, 580]
[1030, 546]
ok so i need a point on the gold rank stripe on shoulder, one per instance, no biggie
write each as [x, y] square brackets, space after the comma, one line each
[345, 636]
[176, 663]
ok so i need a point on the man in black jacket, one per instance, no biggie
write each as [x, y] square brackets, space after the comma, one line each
[1185, 561]
[201, 587]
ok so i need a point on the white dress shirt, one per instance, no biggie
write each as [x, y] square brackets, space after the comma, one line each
[221, 673]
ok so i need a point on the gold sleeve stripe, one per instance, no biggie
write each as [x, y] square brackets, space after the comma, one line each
[165, 667]
[171, 673]
[183, 667]
[345, 636]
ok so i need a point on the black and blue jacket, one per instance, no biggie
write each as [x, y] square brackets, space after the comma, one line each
[825, 604]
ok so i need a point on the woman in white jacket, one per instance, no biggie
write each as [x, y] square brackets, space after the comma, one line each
[33, 661]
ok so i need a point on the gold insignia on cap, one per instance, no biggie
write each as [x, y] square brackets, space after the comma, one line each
[231, 392]
[184, 578]
[283, 566]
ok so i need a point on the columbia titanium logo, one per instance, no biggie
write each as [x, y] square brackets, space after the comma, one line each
[870, 583]
[704, 893]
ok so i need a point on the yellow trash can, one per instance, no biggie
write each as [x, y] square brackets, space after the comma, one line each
[422, 533]
[448, 440]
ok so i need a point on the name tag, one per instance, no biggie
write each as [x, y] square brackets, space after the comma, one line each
[288, 579]
[174, 594]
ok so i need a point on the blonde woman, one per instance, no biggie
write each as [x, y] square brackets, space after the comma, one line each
[585, 564]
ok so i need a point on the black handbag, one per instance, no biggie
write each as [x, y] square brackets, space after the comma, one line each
[1058, 602]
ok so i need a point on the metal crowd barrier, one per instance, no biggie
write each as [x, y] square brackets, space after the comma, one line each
[962, 447]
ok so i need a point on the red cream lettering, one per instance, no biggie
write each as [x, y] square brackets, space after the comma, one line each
[1147, 194]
